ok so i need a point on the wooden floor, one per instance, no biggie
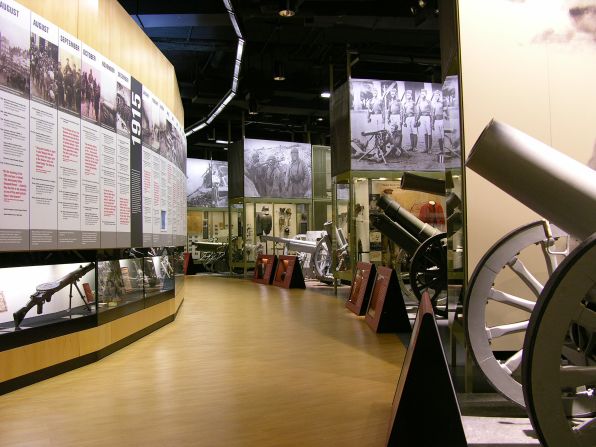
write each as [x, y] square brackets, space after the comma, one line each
[243, 365]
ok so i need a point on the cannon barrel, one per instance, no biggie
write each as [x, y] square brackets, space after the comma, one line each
[395, 232]
[549, 182]
[293, 244]
[420, 230]
[422, 183]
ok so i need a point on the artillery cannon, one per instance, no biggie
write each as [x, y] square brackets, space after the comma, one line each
[315, 256]
[425, 245]
[557, 384]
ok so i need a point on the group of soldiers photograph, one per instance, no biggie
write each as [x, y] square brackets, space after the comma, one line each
[14, 60]
[44, 63]
[269, 173]
[90, 94]
[392, 121]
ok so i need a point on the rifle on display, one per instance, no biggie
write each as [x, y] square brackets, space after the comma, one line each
[45, 291]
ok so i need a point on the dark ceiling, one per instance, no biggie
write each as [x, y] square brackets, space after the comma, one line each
[383, 39]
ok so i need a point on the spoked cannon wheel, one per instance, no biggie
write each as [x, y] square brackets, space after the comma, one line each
[428, 272]
[567, 304]
[505, 375]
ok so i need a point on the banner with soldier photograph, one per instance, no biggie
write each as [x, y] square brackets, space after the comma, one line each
[123, 129]
[109, 149]
[91, 146]
[397, 125]
[277, 169]
[207, 183]
[43, 140]
[69, 144]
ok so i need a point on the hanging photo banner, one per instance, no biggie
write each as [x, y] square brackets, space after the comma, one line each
[69, 144]
[109, 157]
[14, 113]
[277, 169]
[43, 140]
[395, 125]
[90, 95]
[123, 133]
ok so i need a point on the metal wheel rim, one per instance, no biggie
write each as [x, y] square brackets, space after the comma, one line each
[564, 301]
[478, 335]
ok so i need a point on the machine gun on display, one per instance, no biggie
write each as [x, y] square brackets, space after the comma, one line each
[45, 291]
[425, 245]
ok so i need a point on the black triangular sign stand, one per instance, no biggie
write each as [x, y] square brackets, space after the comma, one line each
[425, 408]
[398, 312]
[386, 309]
[297, 280]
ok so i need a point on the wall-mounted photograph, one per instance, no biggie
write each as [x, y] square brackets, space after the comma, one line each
[277, 169]
[398, 125]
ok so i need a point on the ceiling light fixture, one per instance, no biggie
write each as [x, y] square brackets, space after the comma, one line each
[201, 124]
[422, 3]
[287, 9]
[320, 118]
[221, 141]
[278, 71]
[325, 95]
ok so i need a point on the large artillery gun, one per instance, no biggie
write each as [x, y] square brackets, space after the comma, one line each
[554, 375]
[425, 245]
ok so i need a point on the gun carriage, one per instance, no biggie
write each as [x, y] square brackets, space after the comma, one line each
[315, 256]
[554, 375]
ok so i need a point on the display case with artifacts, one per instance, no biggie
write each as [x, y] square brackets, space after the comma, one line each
[63, 292]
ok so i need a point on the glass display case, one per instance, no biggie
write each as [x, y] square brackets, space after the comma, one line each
[322, 186]
[39, 295]
[357, 206]
[87, 287]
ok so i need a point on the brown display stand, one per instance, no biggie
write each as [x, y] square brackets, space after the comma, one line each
[386, 311]
[362, 286]
[264, 268]
[188, 265]
[425, 387]
[288, 273]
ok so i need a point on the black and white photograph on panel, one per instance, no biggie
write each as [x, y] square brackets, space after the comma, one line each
[69, 81]
[395, 125]
[170, 146]
[44, 63]
[14, 58]
[207, 183]
[277, 169]
[123, 109]
[107, 101]
[90, 92]
[448, 128]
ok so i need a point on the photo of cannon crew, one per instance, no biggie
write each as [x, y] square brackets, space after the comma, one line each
[277, 169]
[14, 58]
[44, 66]
[399, 125]
[207, 183]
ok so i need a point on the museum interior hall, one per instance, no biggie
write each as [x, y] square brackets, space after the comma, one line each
[297, 223]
